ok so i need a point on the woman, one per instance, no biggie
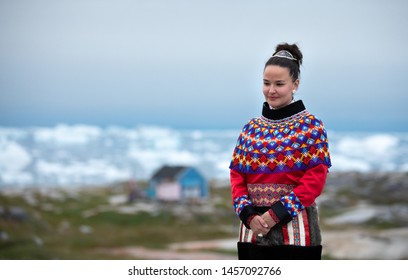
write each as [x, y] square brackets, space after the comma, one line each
[278, 169]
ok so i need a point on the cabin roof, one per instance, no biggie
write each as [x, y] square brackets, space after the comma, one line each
[168, 172]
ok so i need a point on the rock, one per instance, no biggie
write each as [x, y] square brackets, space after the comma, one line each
[13, 213]
[367, 245]
[86, 229]
[4, 236]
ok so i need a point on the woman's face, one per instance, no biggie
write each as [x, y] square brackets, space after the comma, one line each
[278, 86]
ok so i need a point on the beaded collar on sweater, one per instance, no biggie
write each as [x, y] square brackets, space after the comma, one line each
[282, 113]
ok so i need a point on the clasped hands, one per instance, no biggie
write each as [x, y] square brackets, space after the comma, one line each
[262, 224]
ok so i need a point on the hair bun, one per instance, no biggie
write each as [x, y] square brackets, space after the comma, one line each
[293, 49]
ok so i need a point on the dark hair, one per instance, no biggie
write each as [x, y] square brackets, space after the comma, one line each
[292, 65]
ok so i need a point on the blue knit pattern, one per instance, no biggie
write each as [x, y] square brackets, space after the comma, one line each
[292, 204]
[240, 203]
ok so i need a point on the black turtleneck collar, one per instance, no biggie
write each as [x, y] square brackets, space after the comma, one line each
[282, 113]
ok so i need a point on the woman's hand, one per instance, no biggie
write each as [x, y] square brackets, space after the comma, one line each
[259, 226]
[270, 218]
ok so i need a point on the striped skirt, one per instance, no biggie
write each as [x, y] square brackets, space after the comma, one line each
[299, 239]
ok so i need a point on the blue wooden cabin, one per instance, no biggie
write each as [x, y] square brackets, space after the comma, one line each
[177, 183]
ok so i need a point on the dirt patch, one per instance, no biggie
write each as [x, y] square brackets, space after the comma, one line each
[170, 254]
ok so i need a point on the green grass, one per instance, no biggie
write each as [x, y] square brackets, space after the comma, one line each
[52, 230]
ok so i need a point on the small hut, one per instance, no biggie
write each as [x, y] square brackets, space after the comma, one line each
[177, 183]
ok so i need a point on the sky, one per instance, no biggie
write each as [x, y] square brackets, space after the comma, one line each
[198, 64]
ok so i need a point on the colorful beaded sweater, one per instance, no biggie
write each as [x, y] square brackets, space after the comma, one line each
[279, 164]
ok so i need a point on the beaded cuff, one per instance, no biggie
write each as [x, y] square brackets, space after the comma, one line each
[292, 204]
[240, 203]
